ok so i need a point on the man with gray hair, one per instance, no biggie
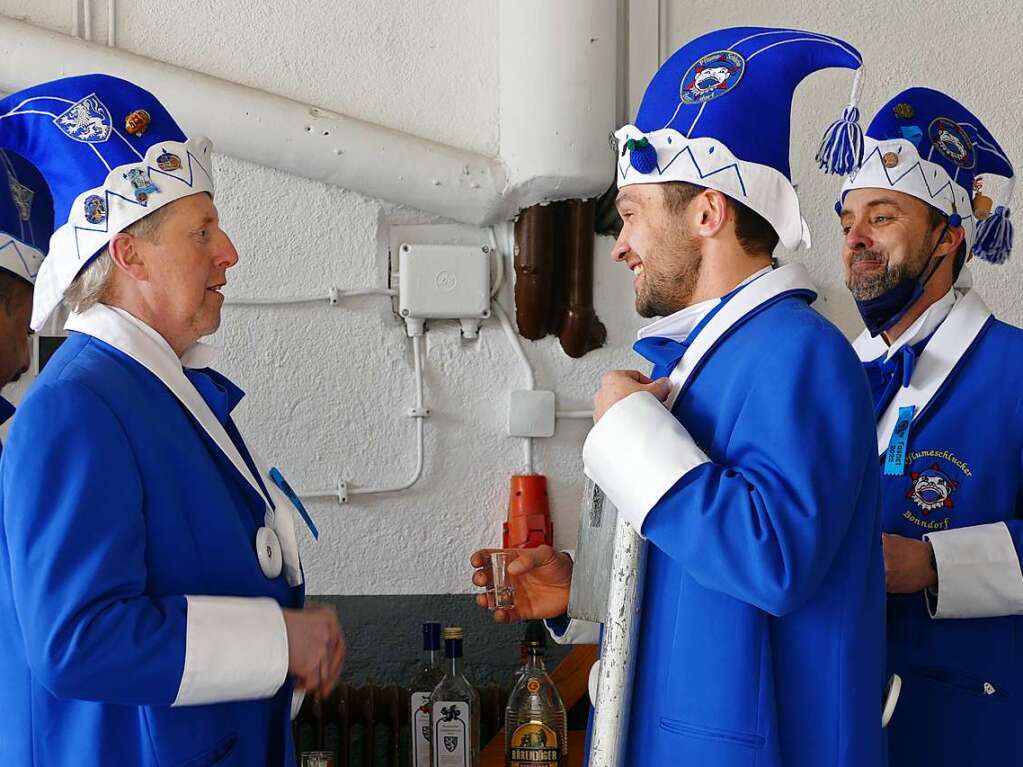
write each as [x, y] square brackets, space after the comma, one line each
[150, 584]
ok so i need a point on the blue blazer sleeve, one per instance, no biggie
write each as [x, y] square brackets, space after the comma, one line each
[72, 503]
[762, 521]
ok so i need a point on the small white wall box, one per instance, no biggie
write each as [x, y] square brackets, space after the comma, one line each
[444, 282]
[531, 413]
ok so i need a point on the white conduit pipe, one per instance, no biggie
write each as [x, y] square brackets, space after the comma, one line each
[332, 298]
[112, 23]
[581, 414]
[87, 16]
[344, 490]
[499, 254]
[513, 337]
[278, 132]
[76, 18]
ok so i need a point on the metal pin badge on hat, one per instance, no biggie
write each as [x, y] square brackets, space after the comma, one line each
[904, 111]
[137, 122]
[268, 549]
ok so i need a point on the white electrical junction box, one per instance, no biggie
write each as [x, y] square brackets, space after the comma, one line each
[450, 282]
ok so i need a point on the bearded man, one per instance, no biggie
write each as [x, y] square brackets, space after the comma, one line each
[946, 376]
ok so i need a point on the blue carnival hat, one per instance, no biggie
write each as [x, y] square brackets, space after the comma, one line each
[717, 114]
[928, 145]
[26, 217]
[111, 155]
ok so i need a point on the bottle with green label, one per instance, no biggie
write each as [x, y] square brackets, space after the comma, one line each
[534, 721]
[455, 710]
[420, 689]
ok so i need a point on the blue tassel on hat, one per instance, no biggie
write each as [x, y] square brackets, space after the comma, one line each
[841, 149]
[993, 242]
[642, 154]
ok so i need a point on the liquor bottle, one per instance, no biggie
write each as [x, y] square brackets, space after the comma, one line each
[420, 689]
[534, 721]
[455, 710]
[534, 630]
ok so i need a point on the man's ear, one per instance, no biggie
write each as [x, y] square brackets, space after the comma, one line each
[128, 256]
[710, 212]
[951, 240]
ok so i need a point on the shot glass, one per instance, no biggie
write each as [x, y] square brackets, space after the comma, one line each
[319, 759]
[502, 593]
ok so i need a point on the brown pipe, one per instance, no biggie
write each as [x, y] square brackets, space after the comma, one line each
[559, 271]
[581, 330]
[534, 263]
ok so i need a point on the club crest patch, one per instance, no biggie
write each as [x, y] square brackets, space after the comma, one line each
[932, 489]
[450, 743]
[935, 480]
[87, 120]
[951, 141]
[711, 76]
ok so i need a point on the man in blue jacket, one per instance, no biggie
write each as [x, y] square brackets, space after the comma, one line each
[26, 221]
[946, 374]
[744, 458]
[150, 584]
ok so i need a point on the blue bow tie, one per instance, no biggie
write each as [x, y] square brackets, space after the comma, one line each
[664, 353]
[217, 391]
[887, 376]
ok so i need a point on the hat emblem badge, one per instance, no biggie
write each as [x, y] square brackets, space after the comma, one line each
[87, 120]
[951, 141]
[711, 76]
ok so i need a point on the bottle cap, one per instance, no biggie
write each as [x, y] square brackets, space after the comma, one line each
[453, 632]
[431, 636]
[536, 634]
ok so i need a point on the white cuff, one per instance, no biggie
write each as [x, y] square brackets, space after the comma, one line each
[235, 649]
[637, 452]
[978, 573]
[578, 632]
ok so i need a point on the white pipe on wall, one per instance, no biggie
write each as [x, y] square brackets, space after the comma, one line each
[557, 64]
[275, 131]
[557, 107]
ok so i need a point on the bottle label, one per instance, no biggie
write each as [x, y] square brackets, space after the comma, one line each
[420, 705]
[451, 734]
[533, 744]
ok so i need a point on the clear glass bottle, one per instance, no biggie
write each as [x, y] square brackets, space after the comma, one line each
[420, 689]
[534, 721]
[455, 710]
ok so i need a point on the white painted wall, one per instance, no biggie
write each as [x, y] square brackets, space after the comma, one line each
[329, 386]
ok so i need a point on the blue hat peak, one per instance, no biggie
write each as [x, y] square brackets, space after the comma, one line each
[715, 84]
[718, 114]
[925, 143]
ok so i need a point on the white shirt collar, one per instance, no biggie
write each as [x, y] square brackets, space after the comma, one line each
[198, 355]
[925, 324]
[679, 325]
